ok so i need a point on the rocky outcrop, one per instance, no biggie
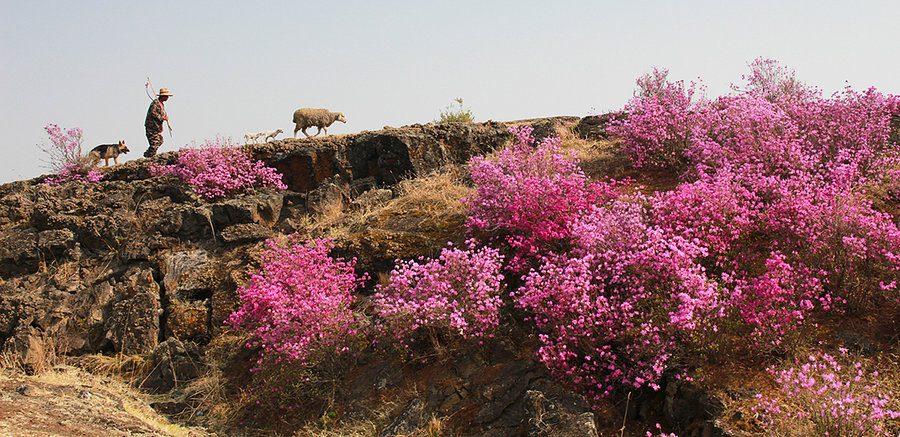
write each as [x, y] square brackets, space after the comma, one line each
[378, 159]
[594, 127]
[125, 263]
[139, 265]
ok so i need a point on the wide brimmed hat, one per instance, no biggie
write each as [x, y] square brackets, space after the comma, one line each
[164, 92]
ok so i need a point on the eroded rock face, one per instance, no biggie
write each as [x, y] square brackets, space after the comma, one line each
[122, 264]
[132, 326]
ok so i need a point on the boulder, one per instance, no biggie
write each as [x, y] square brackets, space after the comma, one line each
[594, 126]
[133, 324]
[171, 362]
[181, 271]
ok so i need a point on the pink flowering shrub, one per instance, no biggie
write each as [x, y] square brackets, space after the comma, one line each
[66, 159]
[770, 80]
[771, 224]
[659, 123]
[456, 294]
[653, 84]
[529, 194]
[776, 179]
[716, 210]
[298, 306]
[828, 395]
[613, 310]
[219, 169]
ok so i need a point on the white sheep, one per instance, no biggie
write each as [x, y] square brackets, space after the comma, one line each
[321, 118]
[250, 136]
[270, 134]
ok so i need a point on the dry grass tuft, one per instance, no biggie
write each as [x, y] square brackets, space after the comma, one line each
[43, 354]
[209, 396]
[381, 416]
[599, 158]
[122, 367]
[438, 193]
[108, 400]
[356, 429]
[429, 197]
[432, 428]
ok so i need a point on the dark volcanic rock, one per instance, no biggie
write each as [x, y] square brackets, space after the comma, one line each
[171, 362]
[18, 253]
[407, 421]
[132, 326]
[594, 126]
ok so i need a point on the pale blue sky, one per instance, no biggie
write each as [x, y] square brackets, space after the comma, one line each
[246, 66]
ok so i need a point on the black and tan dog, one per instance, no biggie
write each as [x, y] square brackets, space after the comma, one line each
[107, 151]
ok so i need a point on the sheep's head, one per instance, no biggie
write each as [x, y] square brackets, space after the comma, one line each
[340, 117]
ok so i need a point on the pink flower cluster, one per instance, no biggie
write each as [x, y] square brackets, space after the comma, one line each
[457, 293]
[613, 310]
[219, 169]
[659, 123]
[661, 433]
[66, 160]
[776, 190]
[73, 172]
[772, 222]
[834, 396]
[299, 304]
[530, 193]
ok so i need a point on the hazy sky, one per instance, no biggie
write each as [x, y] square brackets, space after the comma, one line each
[235, 67]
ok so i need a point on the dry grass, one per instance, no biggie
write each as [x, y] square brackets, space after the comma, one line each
[126, 368]
[356, 429]
[380, 417]
[42, 356]
[109, 397]
[437, 194]
[432, 428]
[10, 360]
[209, 396]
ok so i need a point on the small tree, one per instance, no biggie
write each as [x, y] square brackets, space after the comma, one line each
[66, 160]
[459, 114]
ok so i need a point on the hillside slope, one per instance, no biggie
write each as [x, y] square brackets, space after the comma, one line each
[140, 269]
[132, 278]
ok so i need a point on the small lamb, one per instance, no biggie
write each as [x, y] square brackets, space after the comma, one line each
[251, 136]
[270, 134]
[321, 118]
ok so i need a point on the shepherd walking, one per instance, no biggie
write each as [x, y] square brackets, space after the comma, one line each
[153, 124]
